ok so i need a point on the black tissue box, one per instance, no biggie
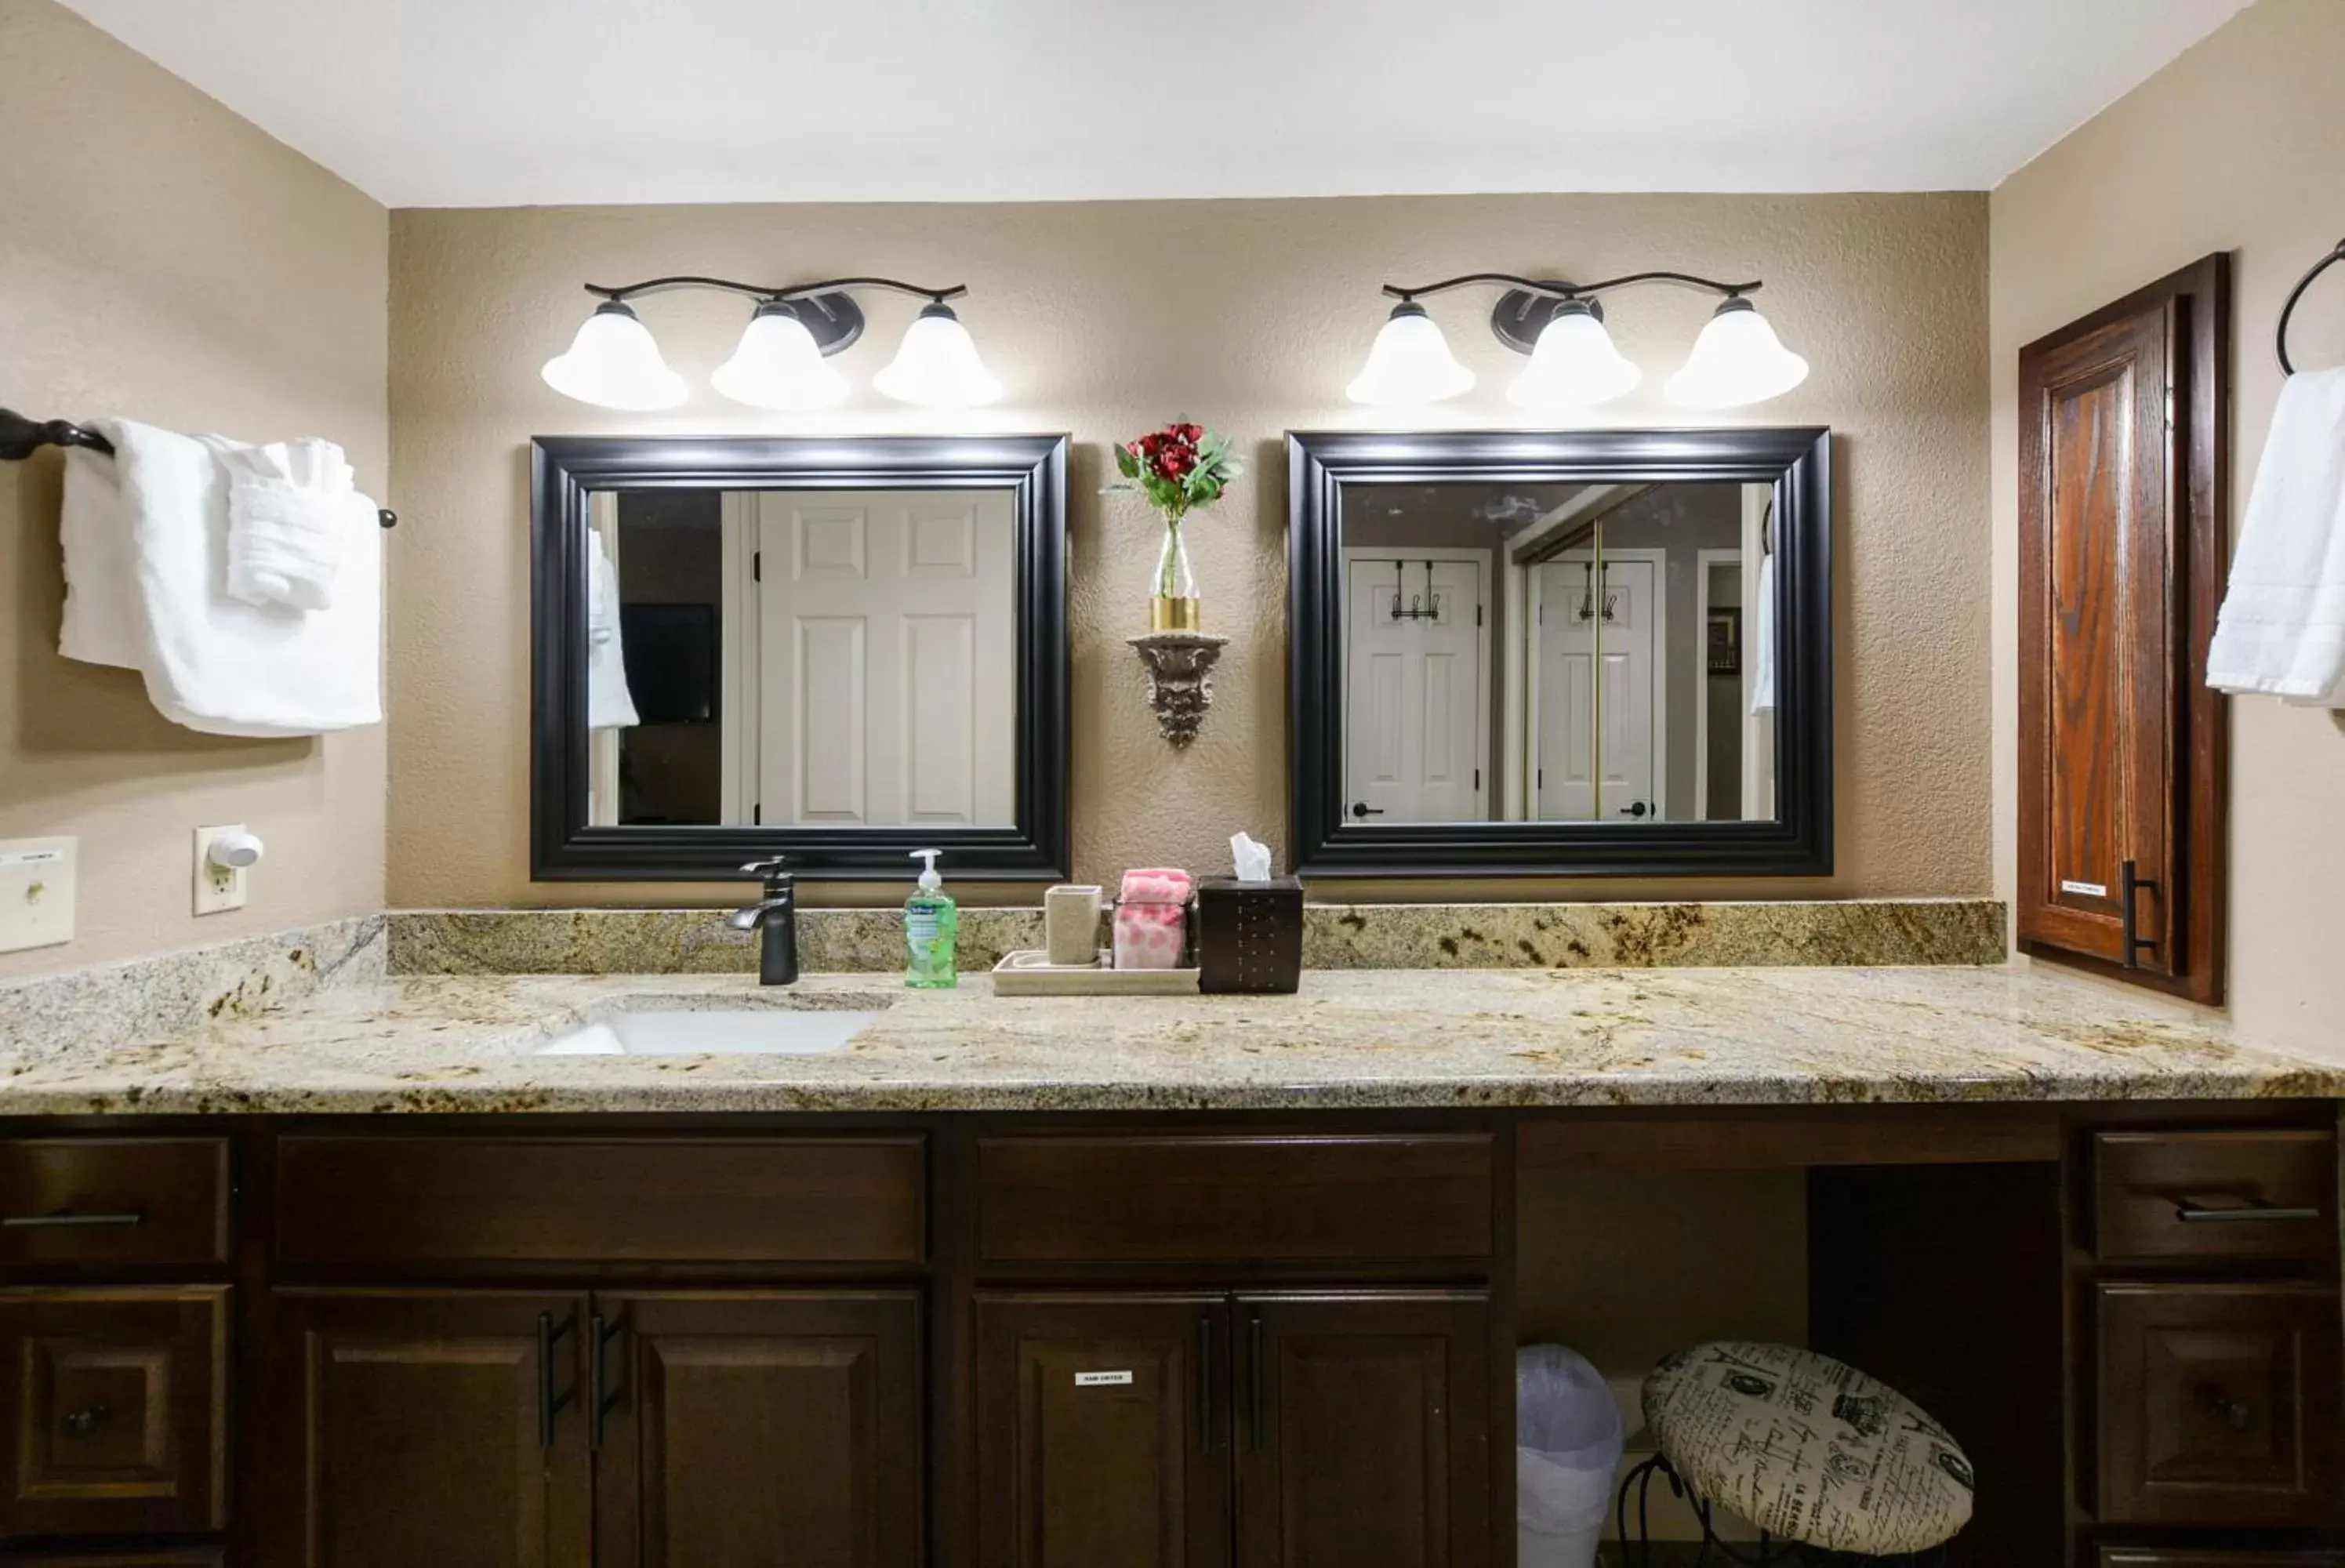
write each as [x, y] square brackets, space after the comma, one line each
[1249, 935]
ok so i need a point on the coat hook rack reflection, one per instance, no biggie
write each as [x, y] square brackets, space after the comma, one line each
[1424, 608]
[1588, 592]
[20, 438]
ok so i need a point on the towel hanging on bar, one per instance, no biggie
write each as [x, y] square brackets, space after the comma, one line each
[20, 438]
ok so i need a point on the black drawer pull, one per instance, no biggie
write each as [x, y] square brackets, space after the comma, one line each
[67, 1219]
[550, 1403]
[2200, 1211]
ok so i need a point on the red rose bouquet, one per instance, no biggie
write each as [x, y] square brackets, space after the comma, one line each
[1178, 468]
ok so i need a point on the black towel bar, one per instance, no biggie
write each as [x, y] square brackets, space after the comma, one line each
[2297, 293]
[20, 438]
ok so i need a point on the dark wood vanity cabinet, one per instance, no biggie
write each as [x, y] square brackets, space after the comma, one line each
[2121, 556]
[1265, 1430]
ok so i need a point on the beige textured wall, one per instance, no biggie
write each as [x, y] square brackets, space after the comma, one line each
[2237, 146]
[163, 260]
[1105, 318]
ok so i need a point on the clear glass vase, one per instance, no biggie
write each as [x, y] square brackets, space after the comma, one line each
[1175, 607]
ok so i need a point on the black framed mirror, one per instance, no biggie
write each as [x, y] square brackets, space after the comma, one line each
[833, 650]
[1602, 653]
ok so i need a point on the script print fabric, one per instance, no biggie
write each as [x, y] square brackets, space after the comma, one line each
[1808, 1447]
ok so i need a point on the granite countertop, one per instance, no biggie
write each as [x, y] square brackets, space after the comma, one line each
[1362, 1039]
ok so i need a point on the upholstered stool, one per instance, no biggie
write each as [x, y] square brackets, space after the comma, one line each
[1829, 1464]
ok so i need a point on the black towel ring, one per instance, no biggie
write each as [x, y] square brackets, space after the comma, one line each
[2297, 293]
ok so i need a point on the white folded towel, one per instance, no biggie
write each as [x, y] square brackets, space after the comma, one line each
[609, 704]
[1762, 641]
[288, 517]
[148, 590]
[2282, 631]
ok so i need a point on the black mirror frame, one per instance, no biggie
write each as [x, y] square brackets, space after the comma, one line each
[1796, 459]
[564, 471]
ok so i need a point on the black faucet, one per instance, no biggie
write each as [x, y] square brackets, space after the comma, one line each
[775, 918]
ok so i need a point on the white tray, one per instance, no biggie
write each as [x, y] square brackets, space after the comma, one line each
[1031, 973]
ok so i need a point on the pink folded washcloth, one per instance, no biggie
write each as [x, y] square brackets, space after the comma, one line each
[1151, 919]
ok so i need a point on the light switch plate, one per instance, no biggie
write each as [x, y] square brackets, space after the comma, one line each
[217, 889]
[37, 892]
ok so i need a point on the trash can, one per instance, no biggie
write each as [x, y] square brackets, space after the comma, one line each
[1568, 1435]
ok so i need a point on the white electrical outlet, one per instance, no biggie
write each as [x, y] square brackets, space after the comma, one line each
[217, 887]
[37, 892]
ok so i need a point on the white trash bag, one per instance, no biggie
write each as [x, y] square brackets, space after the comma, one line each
[1568, 1435]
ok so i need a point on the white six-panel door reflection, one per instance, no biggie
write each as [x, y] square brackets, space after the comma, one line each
[1418, 695]
[885, 662]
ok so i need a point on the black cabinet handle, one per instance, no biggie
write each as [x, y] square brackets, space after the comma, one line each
[599, 1393]
[2131, 883]
[67, 1219]
[1255, 1422]
[1210, 1438]
[85, 1421]
[549, 1403]
[1362, 809]
[2197, 1212]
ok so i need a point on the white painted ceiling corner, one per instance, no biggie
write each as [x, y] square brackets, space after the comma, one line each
[493, 103]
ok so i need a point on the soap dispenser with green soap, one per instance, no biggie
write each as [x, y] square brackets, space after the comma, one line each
[931, 925]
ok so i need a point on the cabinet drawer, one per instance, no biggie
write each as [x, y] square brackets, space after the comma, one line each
[71, 1202]
[2219, 1404]
[1125, 1199]
[115, 1410]
[404, 1203]
[2243, 1193]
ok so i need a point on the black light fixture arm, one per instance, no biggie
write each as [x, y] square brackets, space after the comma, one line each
[1556, 290]
[786, 292]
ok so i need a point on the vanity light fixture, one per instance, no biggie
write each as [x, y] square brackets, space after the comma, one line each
[1738, 359]
[780, 363]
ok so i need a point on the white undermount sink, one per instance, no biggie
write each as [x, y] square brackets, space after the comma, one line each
[743, 1031]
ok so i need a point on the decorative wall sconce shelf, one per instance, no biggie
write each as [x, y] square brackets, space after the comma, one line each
[1180, 688]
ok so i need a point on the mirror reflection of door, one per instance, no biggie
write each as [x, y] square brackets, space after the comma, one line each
[1417, 693]
[1617, 674]
[841, 658]
[1600, 634]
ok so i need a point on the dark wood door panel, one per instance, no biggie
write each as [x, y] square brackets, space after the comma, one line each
[2220, 1404]
[2122, 550]
[1101, 1426]
[2233, 1193]
[409, 1203]
[1102, 1199]
[745, 1430]
[437, 1428]
[2097, 607]
[112, 1202]
[1363, 1430]
[116, 1410]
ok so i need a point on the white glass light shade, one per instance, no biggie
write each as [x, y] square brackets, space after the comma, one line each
[778, 365]
[612, 363]
[1409, 363]
[1573, 364]
[936, 365]
[1738, 359]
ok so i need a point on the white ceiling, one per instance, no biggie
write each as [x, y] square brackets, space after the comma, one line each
[466, 103]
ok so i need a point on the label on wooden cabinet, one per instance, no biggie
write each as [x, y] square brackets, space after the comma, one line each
[2089, 889]
[1102, 1380]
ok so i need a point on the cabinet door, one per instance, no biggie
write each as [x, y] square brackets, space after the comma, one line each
[2220, 1404]
[114, 1411]
[1101, 1424]
[1363, 1430]
[742, 1430]
[428, 1429]
[2120, 567]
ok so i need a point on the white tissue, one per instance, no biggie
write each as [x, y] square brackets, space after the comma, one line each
[1250, 859]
